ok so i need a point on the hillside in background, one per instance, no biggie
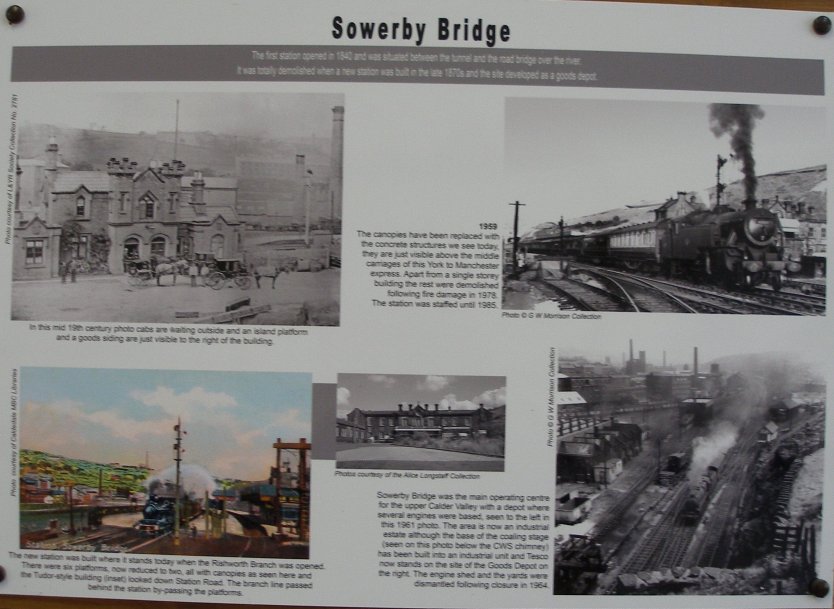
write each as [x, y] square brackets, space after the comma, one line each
[86, 149]
[808, 185]
[65, 470]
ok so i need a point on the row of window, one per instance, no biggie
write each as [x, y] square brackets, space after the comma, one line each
[643, 238]
[418, 421]
[147, 205]
[81, 248]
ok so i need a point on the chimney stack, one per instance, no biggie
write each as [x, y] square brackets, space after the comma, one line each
[198, 186]
[336, 156]
[301, 181]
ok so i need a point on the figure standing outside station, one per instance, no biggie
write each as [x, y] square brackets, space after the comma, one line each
[193, 272]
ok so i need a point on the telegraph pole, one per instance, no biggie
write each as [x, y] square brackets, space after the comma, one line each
[307, 186]
[561, 243]
[515, 236]
[177, 460]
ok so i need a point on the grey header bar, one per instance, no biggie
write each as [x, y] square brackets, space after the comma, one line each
[410, 64]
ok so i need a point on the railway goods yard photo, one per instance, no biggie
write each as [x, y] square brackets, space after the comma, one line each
[621, 206]
[165, 462]
[179, 208]
[688, 473]
[456, 424]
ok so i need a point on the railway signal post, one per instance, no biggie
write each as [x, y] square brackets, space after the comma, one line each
[515, 236]
[177, 460]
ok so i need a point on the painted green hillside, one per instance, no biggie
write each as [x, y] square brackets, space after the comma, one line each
[114, 477]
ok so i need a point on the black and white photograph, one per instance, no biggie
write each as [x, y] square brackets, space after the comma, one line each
[635, 206]
[179, 207]
[688, 466]
[420, 422]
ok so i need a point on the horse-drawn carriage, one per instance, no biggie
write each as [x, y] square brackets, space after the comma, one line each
[141, 272]
[224, 270]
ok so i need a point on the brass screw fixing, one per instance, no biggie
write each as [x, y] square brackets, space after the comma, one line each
[15, 14]
[819, 588]
[822, 25]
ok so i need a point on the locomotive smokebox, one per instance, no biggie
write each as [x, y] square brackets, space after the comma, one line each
[749, 203]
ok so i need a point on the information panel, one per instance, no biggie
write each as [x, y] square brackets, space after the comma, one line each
[416, 304]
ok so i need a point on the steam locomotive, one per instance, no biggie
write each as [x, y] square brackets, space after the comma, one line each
[699, 495]
[734, 248]
[158, 515]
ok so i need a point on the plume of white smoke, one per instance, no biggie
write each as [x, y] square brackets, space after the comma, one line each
[194, 480]
[710, 449]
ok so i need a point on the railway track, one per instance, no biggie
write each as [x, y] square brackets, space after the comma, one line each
[813, 304]
[666, 543]
[119, 540]
[643, 296]
[717, 543]
[614, 514]
[660, 295]
[584, 297]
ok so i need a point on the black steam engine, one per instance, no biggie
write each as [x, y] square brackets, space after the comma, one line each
[734, 248]
[694, 506]
[158, 515]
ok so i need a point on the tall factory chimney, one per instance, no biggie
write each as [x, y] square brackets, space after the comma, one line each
[301, 190]
[336, 156]
[695, 369]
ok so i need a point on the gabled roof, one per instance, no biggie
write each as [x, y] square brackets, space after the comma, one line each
[188, 213]
[567, 398]
[148, 170]
[70, 181]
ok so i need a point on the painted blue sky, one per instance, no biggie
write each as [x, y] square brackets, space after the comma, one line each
[232, 418]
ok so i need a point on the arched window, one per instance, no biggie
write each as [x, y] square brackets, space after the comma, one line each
[158, 246]
[217, 244]
[131, 248]
[81, 207]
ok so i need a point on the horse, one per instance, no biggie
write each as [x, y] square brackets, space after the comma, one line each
[285, 266]
[170, 268]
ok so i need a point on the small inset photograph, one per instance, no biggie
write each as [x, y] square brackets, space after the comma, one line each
[416, 422]
[687, 470]
[665, 207]
[165, 462]
[179, 207]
